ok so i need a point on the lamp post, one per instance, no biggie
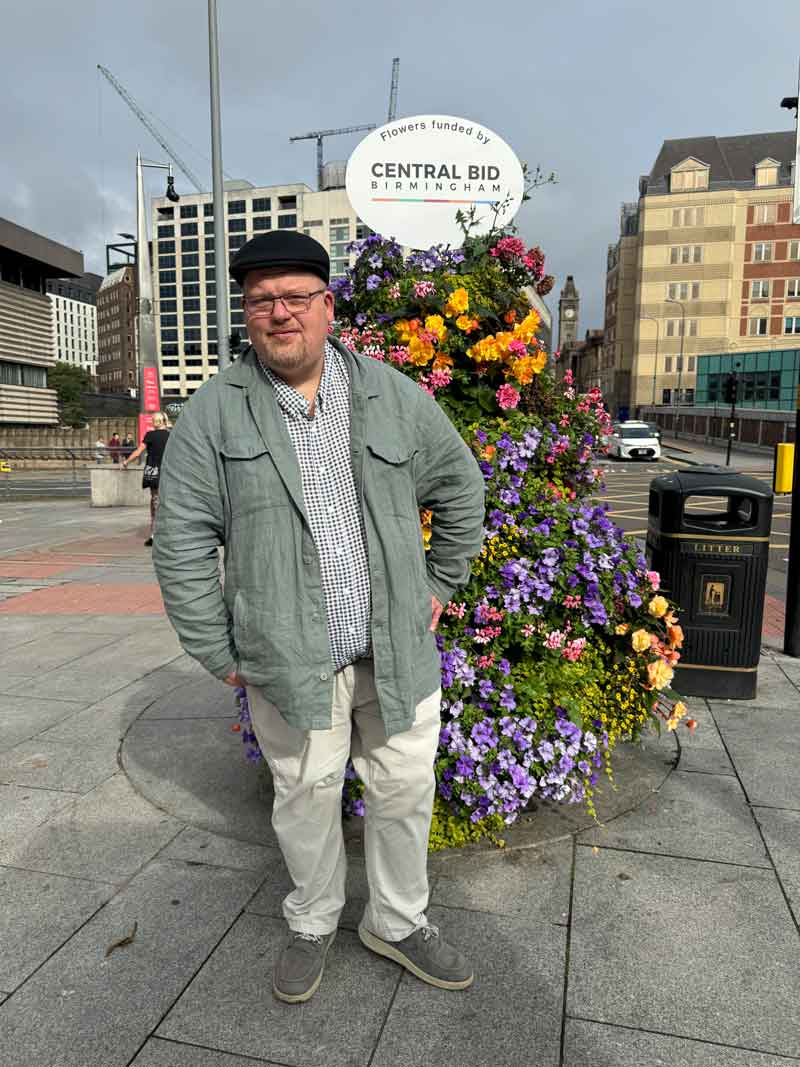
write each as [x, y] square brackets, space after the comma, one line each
[149, 391]
[655, 357]
[680, 358]
[218, 192]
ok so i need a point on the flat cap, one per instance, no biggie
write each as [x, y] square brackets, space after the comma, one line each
[281, 248]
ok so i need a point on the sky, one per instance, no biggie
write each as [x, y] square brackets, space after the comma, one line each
[586, 90]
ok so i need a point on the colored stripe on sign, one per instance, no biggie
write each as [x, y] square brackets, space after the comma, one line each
[424, 200]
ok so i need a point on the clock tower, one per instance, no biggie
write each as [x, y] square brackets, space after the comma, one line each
[568, 308]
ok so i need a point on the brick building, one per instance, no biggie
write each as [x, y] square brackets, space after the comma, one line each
[116, 332]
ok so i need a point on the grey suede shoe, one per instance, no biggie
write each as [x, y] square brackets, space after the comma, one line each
[298, 970]
[425, 955]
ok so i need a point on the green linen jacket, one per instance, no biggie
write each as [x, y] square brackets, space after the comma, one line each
[230, 477]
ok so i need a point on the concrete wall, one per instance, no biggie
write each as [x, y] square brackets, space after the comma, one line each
[58, 439]
[756, 430]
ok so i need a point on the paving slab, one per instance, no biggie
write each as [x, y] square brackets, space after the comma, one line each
[202, 846]
[107, 669]
[700, 816]
[159, 1052]
[762, 743]
[22, 716]
[43, 653]
[588, 1044]
[782, 832]
[20, 629]
[113, 624]
[230, 1005]
[196, 770]
[521, 883]
[23, 809]
[86, 1009]
[39, 912]
[512, 1008]
[705, 761]
[53, 764]
[106, 836]
[196, 698]
[684, 947]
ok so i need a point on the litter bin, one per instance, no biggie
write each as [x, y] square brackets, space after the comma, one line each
[708, 537]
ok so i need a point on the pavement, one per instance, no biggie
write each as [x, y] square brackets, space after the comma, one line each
[140, 882]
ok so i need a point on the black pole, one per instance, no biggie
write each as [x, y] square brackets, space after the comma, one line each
[791, 634]
[732, 418]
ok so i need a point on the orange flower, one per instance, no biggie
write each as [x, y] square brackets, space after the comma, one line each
[420, 352]
[692, 724]
[510, 316]
[488, 452]
[675, 636]
[659, 674]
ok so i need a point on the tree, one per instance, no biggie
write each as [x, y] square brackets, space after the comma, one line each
[70, 382]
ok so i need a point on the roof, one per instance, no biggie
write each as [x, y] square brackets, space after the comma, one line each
[731, 159]
[112, 279]
[53, 259]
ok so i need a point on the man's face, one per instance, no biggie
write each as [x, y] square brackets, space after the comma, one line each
[287, 341]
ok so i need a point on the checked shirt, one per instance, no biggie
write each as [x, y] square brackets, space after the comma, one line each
[322, 447]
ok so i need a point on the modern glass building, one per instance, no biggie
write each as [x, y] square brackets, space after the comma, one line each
[766, 379]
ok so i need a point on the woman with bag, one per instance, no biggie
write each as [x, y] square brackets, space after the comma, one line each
[155, 441]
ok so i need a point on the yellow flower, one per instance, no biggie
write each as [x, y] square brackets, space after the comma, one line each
[526, 330]
[435, 324]
[621, 628]
[465, 323]
[658, 606]
[420, 352]
[457, 303]
[640, 640]
[659, 674]
[675, 635]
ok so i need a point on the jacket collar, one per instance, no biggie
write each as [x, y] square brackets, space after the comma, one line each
[364, 373]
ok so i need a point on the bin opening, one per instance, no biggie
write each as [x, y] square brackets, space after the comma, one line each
[720, 513]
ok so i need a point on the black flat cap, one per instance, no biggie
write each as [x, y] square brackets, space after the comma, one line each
[281, 248]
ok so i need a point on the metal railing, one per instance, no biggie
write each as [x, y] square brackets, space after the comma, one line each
[56, 470]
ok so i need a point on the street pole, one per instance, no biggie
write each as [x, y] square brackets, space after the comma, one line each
[732, 416]
[680, 358]
[218, 189]
[655, 357]
[791, 634]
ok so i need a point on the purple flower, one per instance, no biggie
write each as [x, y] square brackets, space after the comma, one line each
[373, 281]
[483, 734]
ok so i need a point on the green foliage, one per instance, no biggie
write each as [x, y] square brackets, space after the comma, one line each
[70, 383]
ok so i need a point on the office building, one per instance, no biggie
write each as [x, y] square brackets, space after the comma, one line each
[74, 302]
[184, 267]
[116, 332]
[707, 261]
[27, 261]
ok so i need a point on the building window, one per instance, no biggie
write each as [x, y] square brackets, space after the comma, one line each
[676, 327]
[165, 261]
[668, 364]
[690, 364]
[188, 211]
[191, 290]
[191, 335]
[287, 222]
[169, 335]
[759, 289]
[758, 327]
[793, 287]
[237, 225]
[762, 251]
[262, 203]
[235, 241]
[208, 210]
[166, 231]
[192, 260]
[767, 172]
[287, 203]
[686, 254]
[190, 275]
[191, 305]
[188, 229]
[666, 396]
[683, 291]
[791, 324]
[190, 244]
[688, 396]
[237, 207]
[191, 320]
[166, 306]
[262, 222]
[687, 216]
[685, 180]
[766, 213]
[166, 276]
[794, 250]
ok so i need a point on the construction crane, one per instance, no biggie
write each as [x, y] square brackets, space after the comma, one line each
[393, 90]
[318, 135]
[149, 125]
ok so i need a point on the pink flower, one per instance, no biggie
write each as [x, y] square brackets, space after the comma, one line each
[654, 578]
[527, 629]
[569, 377]
[456, 609]
[574, 649]
[423, 289]
[519, 348]
[484, 662]
[398, 354]
[440, 378]
[394, 291]
[571, 601]
[507, 397]
[555, 639]
[564, 420]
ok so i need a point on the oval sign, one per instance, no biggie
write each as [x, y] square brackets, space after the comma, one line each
[409, 178]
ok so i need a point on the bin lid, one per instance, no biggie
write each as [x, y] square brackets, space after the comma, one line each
[712, 479]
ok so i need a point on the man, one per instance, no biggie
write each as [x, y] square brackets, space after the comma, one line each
[309, 463]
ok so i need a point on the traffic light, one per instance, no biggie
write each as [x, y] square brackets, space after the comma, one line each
[729, 392]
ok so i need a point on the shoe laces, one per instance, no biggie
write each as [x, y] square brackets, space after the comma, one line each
[315, 939]
[428, 931]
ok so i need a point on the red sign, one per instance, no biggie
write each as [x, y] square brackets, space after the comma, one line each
[145, 424]
[152, 401]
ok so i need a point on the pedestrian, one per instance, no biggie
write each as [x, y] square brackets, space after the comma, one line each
[114, 446]
[310, 463]
[128, 445]
[154, 442]
[99, 450]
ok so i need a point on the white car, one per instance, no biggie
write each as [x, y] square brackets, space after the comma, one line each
[634, 440]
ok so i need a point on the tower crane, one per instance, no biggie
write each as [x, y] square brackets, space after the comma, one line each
[393, 90]
[149, 125]
[318, 135]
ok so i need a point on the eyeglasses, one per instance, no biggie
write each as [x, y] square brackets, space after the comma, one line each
[295, 303]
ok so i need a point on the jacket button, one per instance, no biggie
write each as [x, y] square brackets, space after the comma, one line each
[323, 677]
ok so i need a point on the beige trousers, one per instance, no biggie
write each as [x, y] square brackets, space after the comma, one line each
[308, 771]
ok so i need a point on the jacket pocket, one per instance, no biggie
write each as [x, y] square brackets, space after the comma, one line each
[389, 478]
[267, 643]
[251, 477]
